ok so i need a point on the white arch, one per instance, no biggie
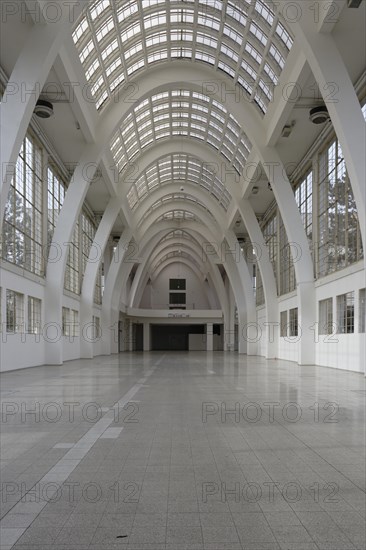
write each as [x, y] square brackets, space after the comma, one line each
[92, 155]
[149, 249]
[159, 252]
[236, 268]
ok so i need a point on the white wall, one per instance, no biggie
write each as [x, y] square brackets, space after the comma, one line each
[289, 345]
[20, 350]
[159, 289]
[342, 351]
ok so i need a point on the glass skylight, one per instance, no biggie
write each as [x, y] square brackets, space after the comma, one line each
[115, 39]
[164, 115]
[179, 211]
[175, 254]
[178, 168]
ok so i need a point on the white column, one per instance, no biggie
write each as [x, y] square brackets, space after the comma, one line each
[209, 336]
[91, 272]
[130, 336]
[146, 336]
[303, 263]
[111, 298]
[229, 328]
[268, 278]
[242, 285]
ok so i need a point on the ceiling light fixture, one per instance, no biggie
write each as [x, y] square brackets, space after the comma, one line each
[354, 3]
[319, 115]
[43, 109]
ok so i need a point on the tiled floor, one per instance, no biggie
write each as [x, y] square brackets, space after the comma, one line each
[182, 451]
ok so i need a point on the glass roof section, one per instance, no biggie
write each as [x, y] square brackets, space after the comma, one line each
[177, 235]
[184, 198]
[180, 113]
[178, 168]
[246, 40]
[177, 215]
[176, 254]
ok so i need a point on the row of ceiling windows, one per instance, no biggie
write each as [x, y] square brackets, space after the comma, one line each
[176, 114]
[246, 40]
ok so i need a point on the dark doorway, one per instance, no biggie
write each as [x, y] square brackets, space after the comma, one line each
[138, 337]
[173, 337]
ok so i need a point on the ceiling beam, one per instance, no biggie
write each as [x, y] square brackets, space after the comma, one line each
[286, 94]
[327, 14]
[72, 76]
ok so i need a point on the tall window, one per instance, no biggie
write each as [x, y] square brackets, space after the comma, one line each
[65, 321]
[88, 231]
[70, 322]
[14, 311]
[259, 295]
[287, 270]
[346, 313]
[338, 227]
[294, 322]
[74, 322]
[270, 237]
[97, 328]
[56, 189]
[283, 323]
[34, 315]
[362, 310]
[72, 273]
[98, 292]
[326, 316]
[22, 230]
[304, 200]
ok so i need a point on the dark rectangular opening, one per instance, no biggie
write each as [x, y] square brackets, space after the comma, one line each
[173, 337]
[177, 284]
[178, 298]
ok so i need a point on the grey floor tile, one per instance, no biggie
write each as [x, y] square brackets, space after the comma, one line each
[164, 460]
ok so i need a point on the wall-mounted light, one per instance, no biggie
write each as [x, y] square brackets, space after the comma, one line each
[287, 130]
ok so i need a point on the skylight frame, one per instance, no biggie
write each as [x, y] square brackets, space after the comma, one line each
[208, 39]
[178, 168]
[133, 137]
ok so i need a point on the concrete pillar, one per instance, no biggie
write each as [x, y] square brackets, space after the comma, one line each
[146, 336]
[209, 336]
[268, 278]
[91, 272]
[229, 319]
[130, 336]
[307, 305]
